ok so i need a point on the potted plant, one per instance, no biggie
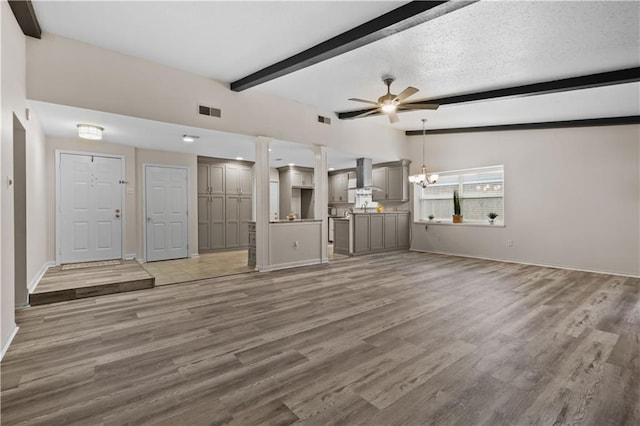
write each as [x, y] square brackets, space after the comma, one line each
[431, 217]
[492, 217]
[457, 216]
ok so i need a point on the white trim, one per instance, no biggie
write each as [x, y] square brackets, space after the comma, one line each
[36, 280]
[144, 206]
[130, 256]
[123, 216]
[194, 255]
[528, 263]
[13, 333]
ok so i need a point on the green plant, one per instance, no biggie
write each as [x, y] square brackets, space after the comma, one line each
[492, 215]
[431, 217]
[456, 203]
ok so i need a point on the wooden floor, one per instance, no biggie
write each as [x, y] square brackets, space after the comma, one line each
[61, 283]
[394, 338]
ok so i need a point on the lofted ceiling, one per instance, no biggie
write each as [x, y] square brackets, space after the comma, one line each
[483, 46]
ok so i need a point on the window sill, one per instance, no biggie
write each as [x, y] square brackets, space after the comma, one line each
[448, 223]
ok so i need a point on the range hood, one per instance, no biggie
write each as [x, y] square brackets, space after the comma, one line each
[364, 175]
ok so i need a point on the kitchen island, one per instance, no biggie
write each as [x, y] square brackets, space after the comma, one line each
[365, 233]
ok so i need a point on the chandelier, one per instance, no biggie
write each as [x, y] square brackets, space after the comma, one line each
[423, 178]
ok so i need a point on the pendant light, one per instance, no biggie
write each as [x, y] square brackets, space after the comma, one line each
[423, 178]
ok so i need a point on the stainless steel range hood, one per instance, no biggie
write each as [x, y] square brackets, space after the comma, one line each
[364, 175]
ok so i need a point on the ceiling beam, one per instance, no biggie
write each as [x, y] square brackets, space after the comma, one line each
[609, 78]
[589, 122]
[26, 17]
[393, 22]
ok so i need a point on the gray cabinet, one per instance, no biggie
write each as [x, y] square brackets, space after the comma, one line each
[390, 231]
[341, 236]
[361, 243]
[393, 181]
[238, 179]
[237, 218]
[224, 204]
[339, 187]
[377, 232]
[252, 244]
[296, 192]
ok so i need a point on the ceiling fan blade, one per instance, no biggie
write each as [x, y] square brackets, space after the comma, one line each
[363, 100]
[418, 106]
[393, 117]
[369, 112]
[409, 91]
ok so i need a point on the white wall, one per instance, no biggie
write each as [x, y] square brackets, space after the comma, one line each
[166, 158]
[37, 256]
[121, 84]
[572, 196]
[13, 89]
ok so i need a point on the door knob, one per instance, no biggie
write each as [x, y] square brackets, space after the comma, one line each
[117, 215]
[117, 210]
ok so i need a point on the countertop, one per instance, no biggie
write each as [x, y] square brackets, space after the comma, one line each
[383, 212]
[295, 221]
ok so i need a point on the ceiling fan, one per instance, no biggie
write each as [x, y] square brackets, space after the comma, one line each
[391, 104]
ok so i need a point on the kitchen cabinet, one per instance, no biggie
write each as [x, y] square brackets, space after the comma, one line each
[376, 232]
[251, 261]
[339, 187]
[403, 237]
[296, 192]
[393, 180]
[361, 243]
[237, 218]
[341, 236]
[238, 179]
[390, 231]
[224, 203]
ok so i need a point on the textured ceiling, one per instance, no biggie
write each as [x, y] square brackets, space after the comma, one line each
[487, 45]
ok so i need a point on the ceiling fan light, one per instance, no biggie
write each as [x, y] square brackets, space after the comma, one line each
[89, 131]
[388, 107]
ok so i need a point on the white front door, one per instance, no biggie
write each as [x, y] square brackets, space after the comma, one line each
[166, 209]
[90, 208]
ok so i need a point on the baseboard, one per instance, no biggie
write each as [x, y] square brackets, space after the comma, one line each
[194, 255]
[130, 256]
[291, 265]
[36, 280]
[568, 268]
[5, 347]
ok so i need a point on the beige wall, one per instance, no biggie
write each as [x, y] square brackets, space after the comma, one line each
[121, 84]
[13, 101]
[166, 158]
[572, 196]
[93, 147]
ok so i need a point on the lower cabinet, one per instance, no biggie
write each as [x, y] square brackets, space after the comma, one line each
[377, 232]
[252, 244]
[238, 215]
[211, 222]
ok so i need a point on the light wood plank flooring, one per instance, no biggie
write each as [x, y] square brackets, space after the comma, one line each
[394, 338]
[207, 265]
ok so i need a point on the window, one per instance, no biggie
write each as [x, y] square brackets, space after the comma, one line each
[481, 192]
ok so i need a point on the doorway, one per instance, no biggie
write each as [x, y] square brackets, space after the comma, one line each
[90, 213]
[20, 212]
[166, 213]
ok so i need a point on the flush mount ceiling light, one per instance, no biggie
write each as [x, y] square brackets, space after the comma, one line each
[189, 138]
[239, 158]
[89, 131]
[423, 178]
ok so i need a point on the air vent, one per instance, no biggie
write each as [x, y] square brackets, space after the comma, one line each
[210, 111]
[325, 120]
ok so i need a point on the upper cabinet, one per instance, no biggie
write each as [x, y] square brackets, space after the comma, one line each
[238, 179]
[211, 178]
[339, 187]
[296, 192]
[301, 179]
[393, 180]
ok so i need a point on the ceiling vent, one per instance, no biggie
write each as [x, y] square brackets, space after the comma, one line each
[325, 120]
[210, 111]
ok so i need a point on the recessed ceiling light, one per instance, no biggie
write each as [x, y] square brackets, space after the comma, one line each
[331, 169]
[189, 138]
[269, 149]
[89, 131]
[239, 158]
[291, 164]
